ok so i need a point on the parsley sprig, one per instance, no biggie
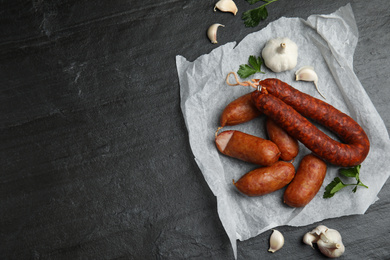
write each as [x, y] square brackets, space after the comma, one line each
[253, 17]
[337, 184]
[253, 67]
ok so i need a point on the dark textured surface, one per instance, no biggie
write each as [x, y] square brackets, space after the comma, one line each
[95, 159]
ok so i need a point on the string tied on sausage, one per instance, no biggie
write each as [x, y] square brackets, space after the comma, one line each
[254, 83]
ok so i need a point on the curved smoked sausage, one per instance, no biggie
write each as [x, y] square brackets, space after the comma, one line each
[288, 106]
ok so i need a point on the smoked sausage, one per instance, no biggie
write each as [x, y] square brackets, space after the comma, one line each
[287, 145]
[307, 181]
[239, 111]
[265, 180]
[288, 107]
[247, 147]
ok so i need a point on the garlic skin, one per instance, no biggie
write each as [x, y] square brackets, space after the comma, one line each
[226, 6]
[212, 32]
[307, 73]
[276, 241]
[329, 241]
[280, 54]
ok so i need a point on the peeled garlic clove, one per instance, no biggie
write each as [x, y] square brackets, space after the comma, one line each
[226, 6]
[276, 241]
[307, 73]
[212, 32]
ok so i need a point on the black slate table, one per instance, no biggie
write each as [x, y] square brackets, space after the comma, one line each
[95, 157]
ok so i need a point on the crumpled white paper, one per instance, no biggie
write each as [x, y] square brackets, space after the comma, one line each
[325, 42]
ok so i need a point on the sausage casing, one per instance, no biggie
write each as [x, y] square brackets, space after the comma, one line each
[287, 145]
[247, 147]
[239, 111]
[307, 181]
[265, 180]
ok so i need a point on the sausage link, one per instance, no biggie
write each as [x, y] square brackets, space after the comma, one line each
[239, 111]
[306, 183]
[287, 145]
[288, 106]
[247, 147]
[265, 180]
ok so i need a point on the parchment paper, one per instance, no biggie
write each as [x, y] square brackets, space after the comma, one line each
[325, 42]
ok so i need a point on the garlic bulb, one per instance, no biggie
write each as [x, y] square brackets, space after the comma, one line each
[280, 54]
[307, 73]
[212, 32]
[226, 6]
[328, 240]
[276, 241]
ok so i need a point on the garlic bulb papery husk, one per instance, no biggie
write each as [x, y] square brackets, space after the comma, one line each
[276, 241]
[307, 73]
[226, 6]
[212, 32]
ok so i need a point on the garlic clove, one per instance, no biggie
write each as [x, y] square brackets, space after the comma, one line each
[307, 73]
[332, 249]
[319, 230]
[276, 241]
[226, 6]
[309, 239]
[212, 32]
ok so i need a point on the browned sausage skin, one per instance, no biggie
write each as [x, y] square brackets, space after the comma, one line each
[265, 180]
[288, 106]
[239, 111]
[307, 181]
[287, 145]
[247, 147]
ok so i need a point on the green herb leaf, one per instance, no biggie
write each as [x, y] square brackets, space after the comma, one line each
[350, 172]
[255, 63]
[333, 187]
[337, 184]
[255, 66]
[253, 17]
[353, 172]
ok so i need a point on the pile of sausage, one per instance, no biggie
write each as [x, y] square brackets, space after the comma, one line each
[287, 112]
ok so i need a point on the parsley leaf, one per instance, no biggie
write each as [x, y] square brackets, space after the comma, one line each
[337, 184]
[351, 172]
[333, 187]
[255, 66]
[253, 17]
